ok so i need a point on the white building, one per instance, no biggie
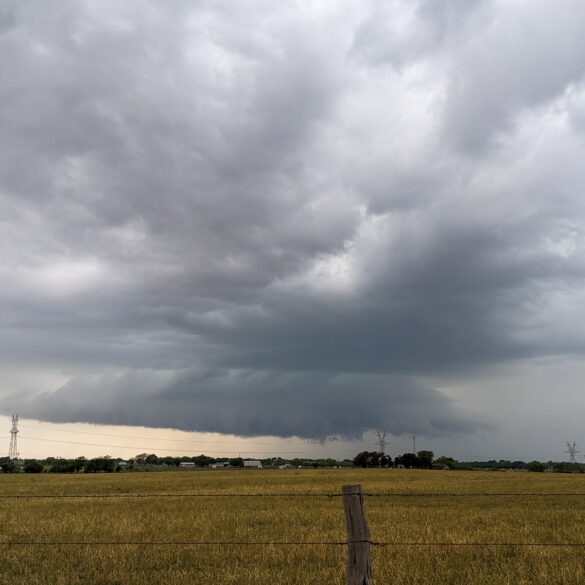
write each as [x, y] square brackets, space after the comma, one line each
[251, 464]
[219, 465]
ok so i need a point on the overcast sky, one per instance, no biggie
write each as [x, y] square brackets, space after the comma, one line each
[300, 220]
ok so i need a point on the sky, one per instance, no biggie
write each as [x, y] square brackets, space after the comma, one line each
[276, 227]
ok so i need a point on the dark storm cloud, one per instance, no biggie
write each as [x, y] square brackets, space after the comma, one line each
[312, 406]
[303, 202]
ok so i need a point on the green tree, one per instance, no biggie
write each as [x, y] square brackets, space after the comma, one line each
[62, 466]
[78, 464]
[170, 461]
[33, 466]
[101, 464]
[408, 460]
[141, 458]
[443, 462]
[202, 460]
[152, 459]
[385, 461]
[537, 466]
[368, 459]
[425, 459]
[7, 465]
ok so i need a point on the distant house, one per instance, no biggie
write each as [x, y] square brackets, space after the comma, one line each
[251, 464]
[187, 464]
[219, 465]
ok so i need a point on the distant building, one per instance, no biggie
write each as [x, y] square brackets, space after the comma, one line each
[250, 464]
[219, 465]
[187, 464]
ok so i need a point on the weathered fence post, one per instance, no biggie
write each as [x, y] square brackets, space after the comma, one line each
[359, 557]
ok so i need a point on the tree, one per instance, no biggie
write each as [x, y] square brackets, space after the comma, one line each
[536, 466]
[425, 459]
[78, 464]
[152, 459]
[101, 464]
[237, 462]
[445, 462]
[202, 460]
[141, 458]
[7, 465]
[33, 466]
[385, 461]
[368, 459]
[361, 459]
[170, 461]
[408, 460]
[61, 466]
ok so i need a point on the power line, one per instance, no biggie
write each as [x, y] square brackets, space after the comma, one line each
[196, 443]
[153, 438]
[235, 450]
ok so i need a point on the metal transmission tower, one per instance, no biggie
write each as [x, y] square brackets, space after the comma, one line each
[571, 450]
[13, 451]
[382, 442]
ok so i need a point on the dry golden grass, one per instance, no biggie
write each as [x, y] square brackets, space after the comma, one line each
[438, 519]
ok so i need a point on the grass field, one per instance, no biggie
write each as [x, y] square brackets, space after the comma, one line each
[437, 519]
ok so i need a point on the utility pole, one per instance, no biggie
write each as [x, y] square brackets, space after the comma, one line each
[571, 450]
[414, 444]
[13, 451]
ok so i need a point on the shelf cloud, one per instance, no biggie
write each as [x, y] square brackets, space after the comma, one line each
[287, 219]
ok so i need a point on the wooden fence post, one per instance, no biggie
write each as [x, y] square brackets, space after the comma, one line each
[359, 557]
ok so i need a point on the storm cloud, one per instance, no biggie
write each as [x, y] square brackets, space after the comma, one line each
[310, 406]
[250, 218]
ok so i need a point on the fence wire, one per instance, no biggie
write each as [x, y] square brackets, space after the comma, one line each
[289, 495]
[295, 543]
[291, 543]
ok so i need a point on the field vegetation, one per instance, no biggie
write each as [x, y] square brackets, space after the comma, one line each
[453, 522]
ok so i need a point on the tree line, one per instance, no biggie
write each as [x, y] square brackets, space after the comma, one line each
[373, 459]
[420, 460]
[103, 464]
[426, 460]
[151, 461]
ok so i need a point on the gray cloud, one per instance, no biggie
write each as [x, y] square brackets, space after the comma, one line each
[312, 406]
[277, 206]
[400, 32]
[521, 59]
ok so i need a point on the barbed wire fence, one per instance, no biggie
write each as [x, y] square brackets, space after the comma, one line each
[358, 541]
